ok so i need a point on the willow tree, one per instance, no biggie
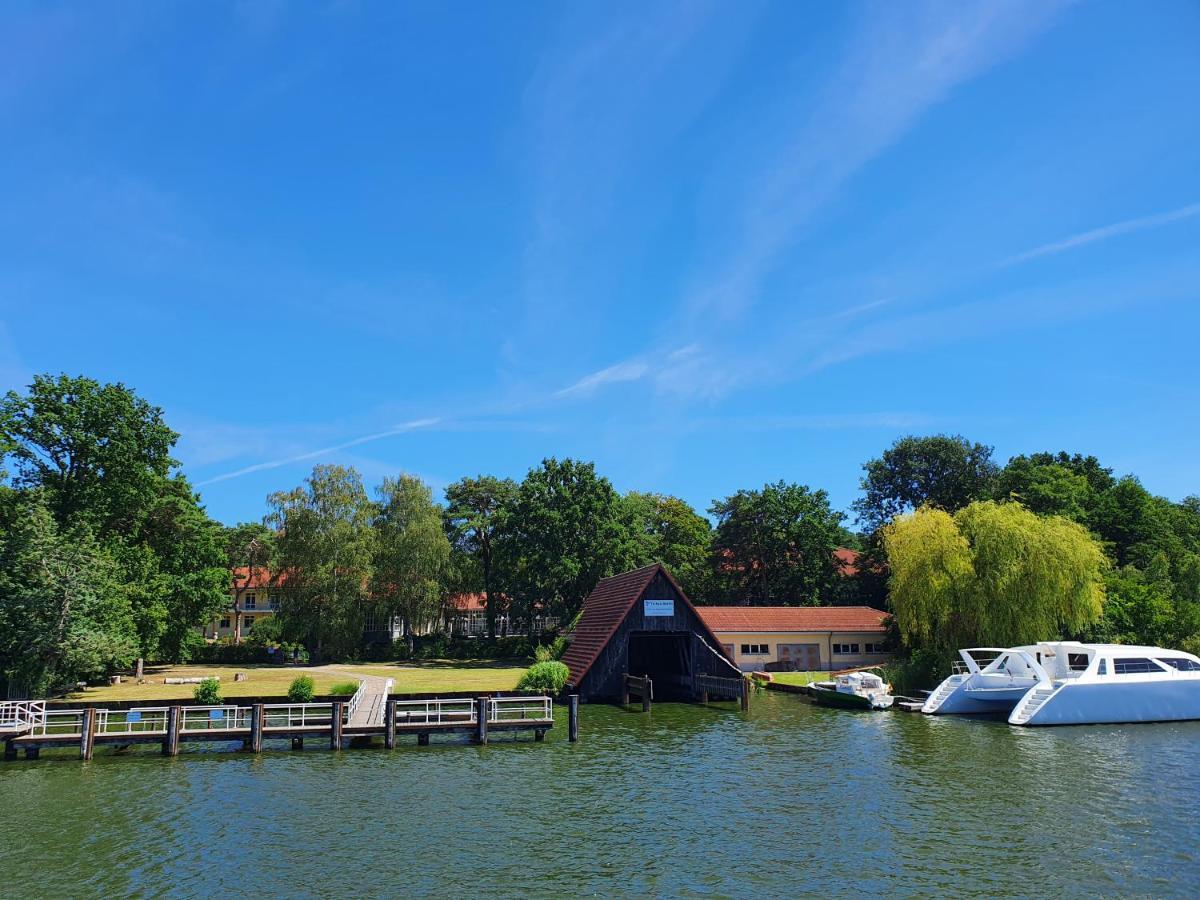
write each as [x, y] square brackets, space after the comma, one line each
[991, 574]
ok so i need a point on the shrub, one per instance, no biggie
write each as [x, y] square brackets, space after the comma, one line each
[344, 688]
[301, 689]
[208, 692]
[549, 677]
[543, 653]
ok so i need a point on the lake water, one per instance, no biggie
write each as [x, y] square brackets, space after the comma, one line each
[685, 801]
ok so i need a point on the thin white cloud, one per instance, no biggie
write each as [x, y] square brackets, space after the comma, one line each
[630, 370]
[1103, 234]
[904, 60]
[313, 454]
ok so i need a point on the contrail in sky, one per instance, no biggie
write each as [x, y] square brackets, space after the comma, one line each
[1102, 234]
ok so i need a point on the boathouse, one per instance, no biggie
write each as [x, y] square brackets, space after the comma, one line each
[641, 623]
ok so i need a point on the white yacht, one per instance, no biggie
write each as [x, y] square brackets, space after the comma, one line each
[1076, 684]
[987, 680]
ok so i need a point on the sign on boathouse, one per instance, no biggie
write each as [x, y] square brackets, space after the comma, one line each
[659, 607]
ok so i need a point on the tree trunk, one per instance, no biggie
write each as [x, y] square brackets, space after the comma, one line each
[140, 665]
[487, 596]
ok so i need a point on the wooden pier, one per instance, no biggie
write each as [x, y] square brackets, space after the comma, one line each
[30, 726]
[715, 687]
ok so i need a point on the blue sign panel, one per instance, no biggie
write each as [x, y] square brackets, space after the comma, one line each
[658, 607]
[133, 716]
[216, 713]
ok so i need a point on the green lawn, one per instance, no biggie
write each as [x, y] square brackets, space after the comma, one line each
[273, 681]
[800, 678]
[448, 675]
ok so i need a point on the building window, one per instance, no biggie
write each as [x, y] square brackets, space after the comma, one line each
[875, 648]
[845, 649]
[224, 623]
[250, 602]
[754, 650]
[273, 601]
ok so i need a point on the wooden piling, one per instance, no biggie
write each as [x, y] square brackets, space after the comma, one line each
[297, 743]
[170, 745]
[539, 734]
[481, 719]
[389, 734]
[745, 695]
[10, 749]
[257, 719]
[647, 693]
[573, 718]
[335, 726]
[87, 736]
[32, 752]
[423, 739]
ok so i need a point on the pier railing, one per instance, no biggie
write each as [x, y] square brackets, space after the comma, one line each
[132, 721]
[349, 708]
[435, 712]
[18, 715]
[215, 718]
[514, 709]
[297, 715]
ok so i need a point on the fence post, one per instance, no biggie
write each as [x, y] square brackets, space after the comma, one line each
[389, 734]
[87, 737]
[481, 720]
[745, 694]
[335, 726]
[573, 718]
[170, 745]
[257, 714]
[625, 689]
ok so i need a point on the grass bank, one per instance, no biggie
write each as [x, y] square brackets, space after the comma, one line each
[269, 681]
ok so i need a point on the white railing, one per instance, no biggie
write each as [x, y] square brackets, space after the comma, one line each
[18, 715]
[514, 709]
[435, 712]
[132, 721]
[215, 718]
[297, 715]
[349, 709]
[59, 722]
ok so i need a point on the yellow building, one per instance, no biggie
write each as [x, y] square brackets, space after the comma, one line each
[251, 597]
[799, 638]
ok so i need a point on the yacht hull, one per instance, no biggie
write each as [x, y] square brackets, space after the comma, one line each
[975, 697]
[1107, 703]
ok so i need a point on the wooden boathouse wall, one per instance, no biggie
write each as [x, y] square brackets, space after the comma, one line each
[618, 608]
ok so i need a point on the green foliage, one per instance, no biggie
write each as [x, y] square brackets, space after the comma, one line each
[548, 677]
[775, 546]
[562, 536]
[551, 652]
[301, 689]
[411, 553]
[64, 615]
[475, 509]
[208, 692]
[992, 574]
[919, 670]
[324, 554]
[943, 471]
[660, 528]
[344, 689]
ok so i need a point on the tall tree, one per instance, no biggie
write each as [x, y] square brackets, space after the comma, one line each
[661, 528]
[474, 510]
[324, 553]
[992, 575]
[63, 614]
[411, 553]
[944, 471]
[775, 546]
[562, 537]
[101, 457]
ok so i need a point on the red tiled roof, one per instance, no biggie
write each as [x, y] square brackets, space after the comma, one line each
[606, 608]
[792, 618]
[470, 602]
[846, 560]
[243, 581]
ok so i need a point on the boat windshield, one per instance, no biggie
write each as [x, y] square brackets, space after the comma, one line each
[1183, 665]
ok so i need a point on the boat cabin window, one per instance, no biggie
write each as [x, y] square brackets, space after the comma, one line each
[1077, 662]
[1183, 665]
[1102, 669]
[1134, 666]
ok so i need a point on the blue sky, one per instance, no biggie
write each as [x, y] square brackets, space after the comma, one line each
[706, 245]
